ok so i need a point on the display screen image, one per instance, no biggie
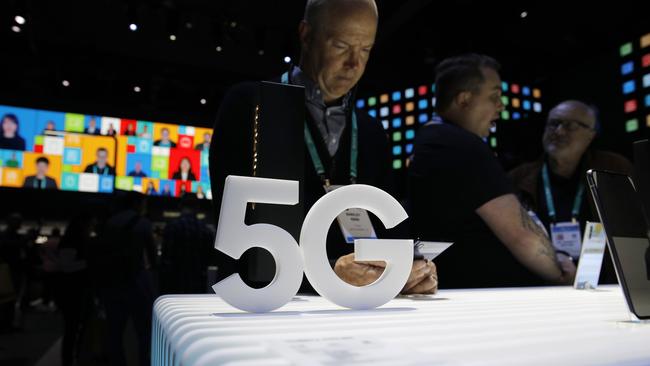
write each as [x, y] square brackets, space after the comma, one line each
[42, 149]
[635, 86]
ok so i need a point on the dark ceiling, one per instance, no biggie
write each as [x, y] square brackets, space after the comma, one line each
[89, 44]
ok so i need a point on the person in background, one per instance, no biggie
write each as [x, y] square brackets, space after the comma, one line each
[145, 134]
[123, 270]
[137, 171]
[13, 254]
[151, 189]
[130, 130]
[165, 140]
[187, 251]
[10, 139]
[72, 284]
[12, 162]
[184, 172]
[100, 166]
[554, 186]
[166, 191]
[205, 145]
[459, 192]
[40, 180]
[92, 127]
[111, 130]
[49, 126]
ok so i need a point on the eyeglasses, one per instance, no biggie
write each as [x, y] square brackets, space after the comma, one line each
[567, 124]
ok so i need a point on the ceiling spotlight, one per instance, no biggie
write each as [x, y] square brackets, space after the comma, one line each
[172, 37]
[260, 52]
[136, 89]
[65, 83]
[19, 19]
[16, 29]
[133, 27]
[203, 101]
[219, 48]
[287, 59]
[523, 14]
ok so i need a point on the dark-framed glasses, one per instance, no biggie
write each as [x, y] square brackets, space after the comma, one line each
[567, 124]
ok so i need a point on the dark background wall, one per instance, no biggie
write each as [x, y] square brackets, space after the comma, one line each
[568, 49]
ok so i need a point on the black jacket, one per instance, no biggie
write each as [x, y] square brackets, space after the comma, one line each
[31, 182]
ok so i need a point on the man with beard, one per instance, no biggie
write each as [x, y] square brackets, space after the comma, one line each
[554, 185]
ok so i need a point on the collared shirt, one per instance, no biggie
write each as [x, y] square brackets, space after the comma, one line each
[330, 120]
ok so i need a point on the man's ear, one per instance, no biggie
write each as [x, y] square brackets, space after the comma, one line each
[463, 99]
[304, 33]
[593, 136]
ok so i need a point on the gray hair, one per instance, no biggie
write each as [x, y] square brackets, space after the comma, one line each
[315, 10]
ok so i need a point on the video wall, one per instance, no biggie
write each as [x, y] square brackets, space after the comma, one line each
[401, 112]
[635, 85]
[42, 149]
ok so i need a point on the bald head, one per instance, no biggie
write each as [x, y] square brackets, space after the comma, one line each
[575, 109]
[318, 13]
[570, 129]
[336, 37]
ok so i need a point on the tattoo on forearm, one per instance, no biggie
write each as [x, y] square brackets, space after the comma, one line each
[546, 249]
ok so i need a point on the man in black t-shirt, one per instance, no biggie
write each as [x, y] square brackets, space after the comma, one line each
[460, 193]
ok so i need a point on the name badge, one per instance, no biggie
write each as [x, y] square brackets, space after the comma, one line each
[591, 256]
[566, 237]
[354, 222]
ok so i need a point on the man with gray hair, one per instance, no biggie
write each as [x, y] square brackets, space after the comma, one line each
[554, 185]
[336, 38]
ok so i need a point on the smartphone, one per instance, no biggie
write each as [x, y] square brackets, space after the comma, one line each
[620, 211]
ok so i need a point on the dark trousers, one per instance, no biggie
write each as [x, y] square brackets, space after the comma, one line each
[132, 299]
[72, 293]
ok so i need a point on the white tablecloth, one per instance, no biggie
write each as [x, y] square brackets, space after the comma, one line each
[543, 326]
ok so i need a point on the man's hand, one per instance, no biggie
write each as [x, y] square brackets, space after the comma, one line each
[358, 273]
[422, 280]
[568, 269]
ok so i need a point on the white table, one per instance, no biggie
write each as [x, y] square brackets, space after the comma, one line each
[544, 326]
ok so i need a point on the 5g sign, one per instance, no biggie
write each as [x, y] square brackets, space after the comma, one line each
[234, 237]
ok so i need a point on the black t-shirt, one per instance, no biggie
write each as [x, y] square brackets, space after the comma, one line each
[453, 173]
[14, 143]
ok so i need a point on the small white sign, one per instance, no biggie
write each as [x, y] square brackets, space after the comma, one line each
[591, 256]
[430, 249]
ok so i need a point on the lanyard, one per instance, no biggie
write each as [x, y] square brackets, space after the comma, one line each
[577, 203]
[39, 182]
[104, 170]
[313, 153]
